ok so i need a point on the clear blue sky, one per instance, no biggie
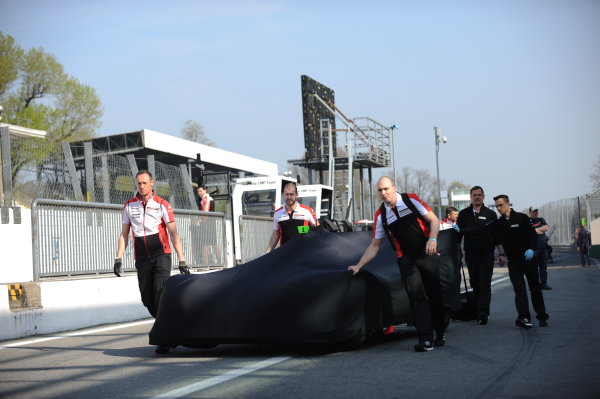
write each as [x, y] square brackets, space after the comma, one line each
[513, 84]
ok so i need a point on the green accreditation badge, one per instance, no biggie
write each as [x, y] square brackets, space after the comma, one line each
[303, 229]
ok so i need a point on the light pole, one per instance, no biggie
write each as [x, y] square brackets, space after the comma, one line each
[438, 138]
[393, 151]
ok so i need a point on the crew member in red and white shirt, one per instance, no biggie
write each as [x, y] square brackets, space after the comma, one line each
[449, 222]
[291, 219]
[207, 203]
[414, 237]
[150, 220]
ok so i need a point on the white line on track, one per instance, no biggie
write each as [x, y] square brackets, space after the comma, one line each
[198, 386]
[77, 333]
[501, 279]
[195, 387]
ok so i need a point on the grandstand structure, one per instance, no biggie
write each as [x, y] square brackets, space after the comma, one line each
[341, 157]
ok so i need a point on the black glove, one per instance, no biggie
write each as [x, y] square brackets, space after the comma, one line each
[183, 269]
[117, 267]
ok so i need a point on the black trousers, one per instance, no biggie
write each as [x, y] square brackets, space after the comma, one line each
[584, 255]
[481, 268]
[421, 280]
[518, 271]
[152, 274]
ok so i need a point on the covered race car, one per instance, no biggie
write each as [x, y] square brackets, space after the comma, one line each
[301, 293]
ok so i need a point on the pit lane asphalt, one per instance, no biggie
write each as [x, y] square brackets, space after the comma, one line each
[494, 361]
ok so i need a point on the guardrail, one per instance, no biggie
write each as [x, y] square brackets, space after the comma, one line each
[571, 249]
[78, 238]
[255, 232]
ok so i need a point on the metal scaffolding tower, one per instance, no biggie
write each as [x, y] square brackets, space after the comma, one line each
[363, 144]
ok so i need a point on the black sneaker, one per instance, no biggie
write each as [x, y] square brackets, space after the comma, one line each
[439, 341]
[483, 320]
[546, 287]
[162, 349]
[523, 323]
[423, 346]
[543, 323]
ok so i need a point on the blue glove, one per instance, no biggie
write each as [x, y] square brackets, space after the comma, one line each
[455, 227]
[529, 254]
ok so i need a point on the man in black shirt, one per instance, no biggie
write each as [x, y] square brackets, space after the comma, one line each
[584, 241]
[518, 237]
[541, 251]
[479, 250]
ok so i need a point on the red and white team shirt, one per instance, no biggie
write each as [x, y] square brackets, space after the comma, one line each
[288, 223]
[408, 231]
[446, 224]
[206, 203]
[149, 225]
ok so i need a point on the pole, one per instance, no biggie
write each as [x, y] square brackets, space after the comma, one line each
[393, 151]
[393, 157]
[437, 165]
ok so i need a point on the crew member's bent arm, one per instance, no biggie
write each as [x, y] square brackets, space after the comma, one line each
[367, 256]
[501, 255]
[123, 239]
[174, 235]
[434, 230]
[273, 241]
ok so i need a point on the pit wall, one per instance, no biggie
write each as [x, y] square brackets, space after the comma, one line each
[54, 306]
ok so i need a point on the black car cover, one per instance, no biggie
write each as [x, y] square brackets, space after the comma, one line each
[299, 293]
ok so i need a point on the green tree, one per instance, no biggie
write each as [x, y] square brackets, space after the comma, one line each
[77, 112]
[10, 58]
[40, 74]
[193, 131]
[44, 96]
[36, 93]
[458, 185]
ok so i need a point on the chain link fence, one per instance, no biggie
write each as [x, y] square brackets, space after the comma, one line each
[40, 170]
[169, 185]
[564, 217]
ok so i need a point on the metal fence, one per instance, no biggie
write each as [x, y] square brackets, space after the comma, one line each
[564, 217]
[40, 169]
[79, 238]
[255, 232]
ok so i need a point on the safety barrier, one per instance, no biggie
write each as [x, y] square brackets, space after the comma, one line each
[78, 238]
[255, 232]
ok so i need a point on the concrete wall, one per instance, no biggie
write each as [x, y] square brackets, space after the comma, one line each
[73, 304]
[68, 304]
[595, 230]
[17, 254]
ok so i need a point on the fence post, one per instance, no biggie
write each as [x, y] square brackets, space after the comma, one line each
[72, 172]
[105, 179]
[188, 185]
[90, 195]
[6, 192]
[152, 165]
[134, 169]
[35, 240]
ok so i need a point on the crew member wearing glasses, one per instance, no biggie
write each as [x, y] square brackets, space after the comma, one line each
[518, 237]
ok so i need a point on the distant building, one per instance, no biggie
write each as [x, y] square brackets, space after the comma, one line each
[460, 199]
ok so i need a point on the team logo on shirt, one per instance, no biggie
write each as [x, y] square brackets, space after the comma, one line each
[404, 212]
